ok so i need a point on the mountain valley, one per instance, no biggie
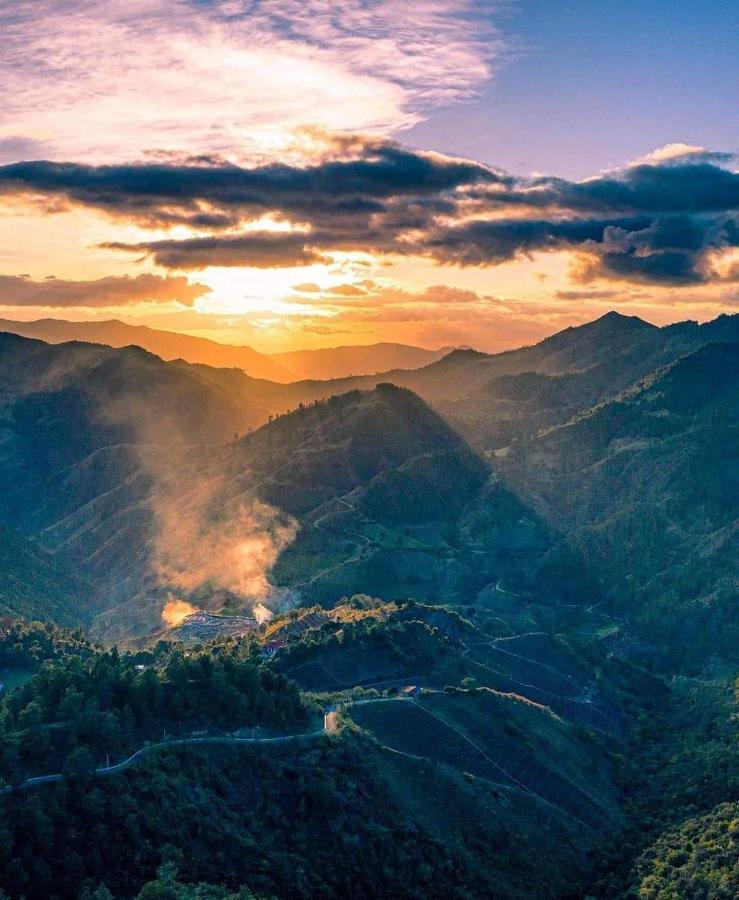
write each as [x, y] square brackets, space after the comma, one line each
[501, 581]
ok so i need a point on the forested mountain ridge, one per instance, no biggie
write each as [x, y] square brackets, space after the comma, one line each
[94, 436]
[647, 485]
[383, 496]
[562, 686]
[391, 501]
[85, 490]
[296, 804]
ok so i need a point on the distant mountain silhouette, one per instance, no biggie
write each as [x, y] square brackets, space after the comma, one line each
[166, 344]
[343, 362]
[333, 362]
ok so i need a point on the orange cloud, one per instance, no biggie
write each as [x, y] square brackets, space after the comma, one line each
[112, 291]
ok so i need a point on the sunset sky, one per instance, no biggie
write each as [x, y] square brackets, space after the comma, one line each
[304, 173]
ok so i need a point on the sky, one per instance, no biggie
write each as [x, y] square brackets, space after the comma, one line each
[305, 173]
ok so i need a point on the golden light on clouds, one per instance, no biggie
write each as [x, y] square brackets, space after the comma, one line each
[232, 161]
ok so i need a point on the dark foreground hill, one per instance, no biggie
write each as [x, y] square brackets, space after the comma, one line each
[441, 776]
[334, 814]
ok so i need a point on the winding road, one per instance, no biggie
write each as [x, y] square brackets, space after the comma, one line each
[329, 727]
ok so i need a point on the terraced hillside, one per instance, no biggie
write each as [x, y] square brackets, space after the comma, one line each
[502, 739]
[431, 647]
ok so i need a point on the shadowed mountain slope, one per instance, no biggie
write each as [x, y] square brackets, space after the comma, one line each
[35, 586]
[77, 422]
[388, 499]
[101, 445]
[647, 485]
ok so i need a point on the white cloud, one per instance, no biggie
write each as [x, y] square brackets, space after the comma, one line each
[86, 80]
[678, 151]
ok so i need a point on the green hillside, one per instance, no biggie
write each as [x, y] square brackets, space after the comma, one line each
[553, 715]
[647, 486]
[226, 813]
[34, 586]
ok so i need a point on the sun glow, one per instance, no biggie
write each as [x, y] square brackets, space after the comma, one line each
[254, 292]
[251, 291]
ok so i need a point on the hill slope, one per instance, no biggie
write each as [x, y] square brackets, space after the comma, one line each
[648, 486]
[389, 499]
[86, 433]
[35, 586]
[107, 453]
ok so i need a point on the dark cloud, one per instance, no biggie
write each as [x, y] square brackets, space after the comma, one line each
[258, 249]
[685, 187]
[479, 243]
[664, 249]
[670, 250]
[358, 187]
[668, 267]
[649, 222]
[111, 291]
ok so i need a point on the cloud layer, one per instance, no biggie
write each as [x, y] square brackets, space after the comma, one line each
[662, 222]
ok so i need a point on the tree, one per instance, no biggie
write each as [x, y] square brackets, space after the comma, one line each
[80, 763]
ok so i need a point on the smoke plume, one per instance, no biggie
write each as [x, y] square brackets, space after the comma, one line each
[175, 611]
[202, 545]
[262, 613]
[208, 534]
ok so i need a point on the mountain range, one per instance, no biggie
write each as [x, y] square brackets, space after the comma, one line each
[507, 583]
[497, 467]
[333, 362]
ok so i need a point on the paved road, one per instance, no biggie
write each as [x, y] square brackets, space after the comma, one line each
[329, 727]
